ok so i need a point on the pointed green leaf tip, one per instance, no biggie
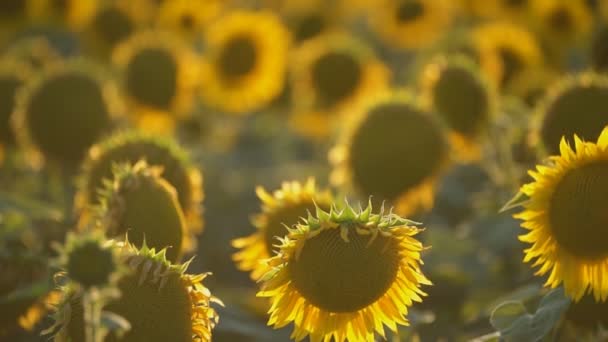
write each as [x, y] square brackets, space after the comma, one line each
[346, 215]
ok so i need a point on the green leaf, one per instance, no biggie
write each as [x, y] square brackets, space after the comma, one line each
[515, 324]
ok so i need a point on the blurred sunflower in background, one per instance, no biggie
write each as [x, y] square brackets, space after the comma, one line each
[575, 105]
[188, 18]
[244, 65]
[113, 22]
[345, 274]
[35, 52]
[565, 216]
[453, 88]
[12, 76]
[131, 147]
[54, 130]
[160, 76]
[72, 14]
[506, 51]
[411, 24]
[283, 208]
[158, 298]
[517, 10]
[309, 19]
[140, 203]
[393, 151]
[330, 75]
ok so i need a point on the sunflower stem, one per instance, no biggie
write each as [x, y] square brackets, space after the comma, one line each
[92, 316]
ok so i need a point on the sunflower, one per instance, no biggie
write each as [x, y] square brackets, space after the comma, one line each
[12, 76]
[283, 208]
[394, 151]
[245, 64]
[562, 21]
[309, 19]
[160, 75]
[588, 314]
[344, 275]
[112, 23]
[532, 86]
[599, 49]
[188, 18]
[566, 217]
[130, 147]
[411, 24]
[329, 75]
[493, 9]
[61, 113]
[506, 51]
[70, 13]
[453, 88]
[159, 300]
[576, 105]
[140, 203]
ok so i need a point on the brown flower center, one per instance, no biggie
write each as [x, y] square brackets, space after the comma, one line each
[335, 76]
[151, 77]
[237, 58]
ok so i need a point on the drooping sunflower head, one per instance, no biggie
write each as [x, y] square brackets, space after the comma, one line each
[89, 260]
[131, 147]
[245, 64]
[159, 74]
[345, 274]
[23, 265]
[159, 300]
[12, 76]
[329, 75]
[506, 51]
[454, 89]
[283, 208]
[562, 21]
[566, 218]
[61, 113]
[112, 23]
[393, 151]
[411, 24]
[139, 203]
[188, 18]
[70, 13]
[576, 105]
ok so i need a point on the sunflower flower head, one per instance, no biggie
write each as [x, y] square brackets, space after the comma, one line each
[329, 75]
[188, 18]
[411, 24]
[245, 66]
[140, 203]
[344, 274]
[381, 154]
[455, 90]
[565, 217]
[159, 73]
[284, 207]
[131, 147]
[562, 21]
[61, 113]
[158, 298]
[576, 105]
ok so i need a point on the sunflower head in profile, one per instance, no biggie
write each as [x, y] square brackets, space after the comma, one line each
[394, 151]
[576, 105]
[24, 264]
[139, 203]
[188, 18]
[72, 14]
[566, 218]
[330, 74]
[411, 24]
[345, 274]
[246, 59]
[562, 21]
[63, 111]
[158, 298]
[280, 209]
[131, 147]
[454, 89]
[112, 23]
[506, 51]
[159, 75]
[13, 75]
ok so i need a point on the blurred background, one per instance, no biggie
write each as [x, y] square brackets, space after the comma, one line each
[262, 92]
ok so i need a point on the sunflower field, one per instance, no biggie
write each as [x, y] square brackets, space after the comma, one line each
[303, 170]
